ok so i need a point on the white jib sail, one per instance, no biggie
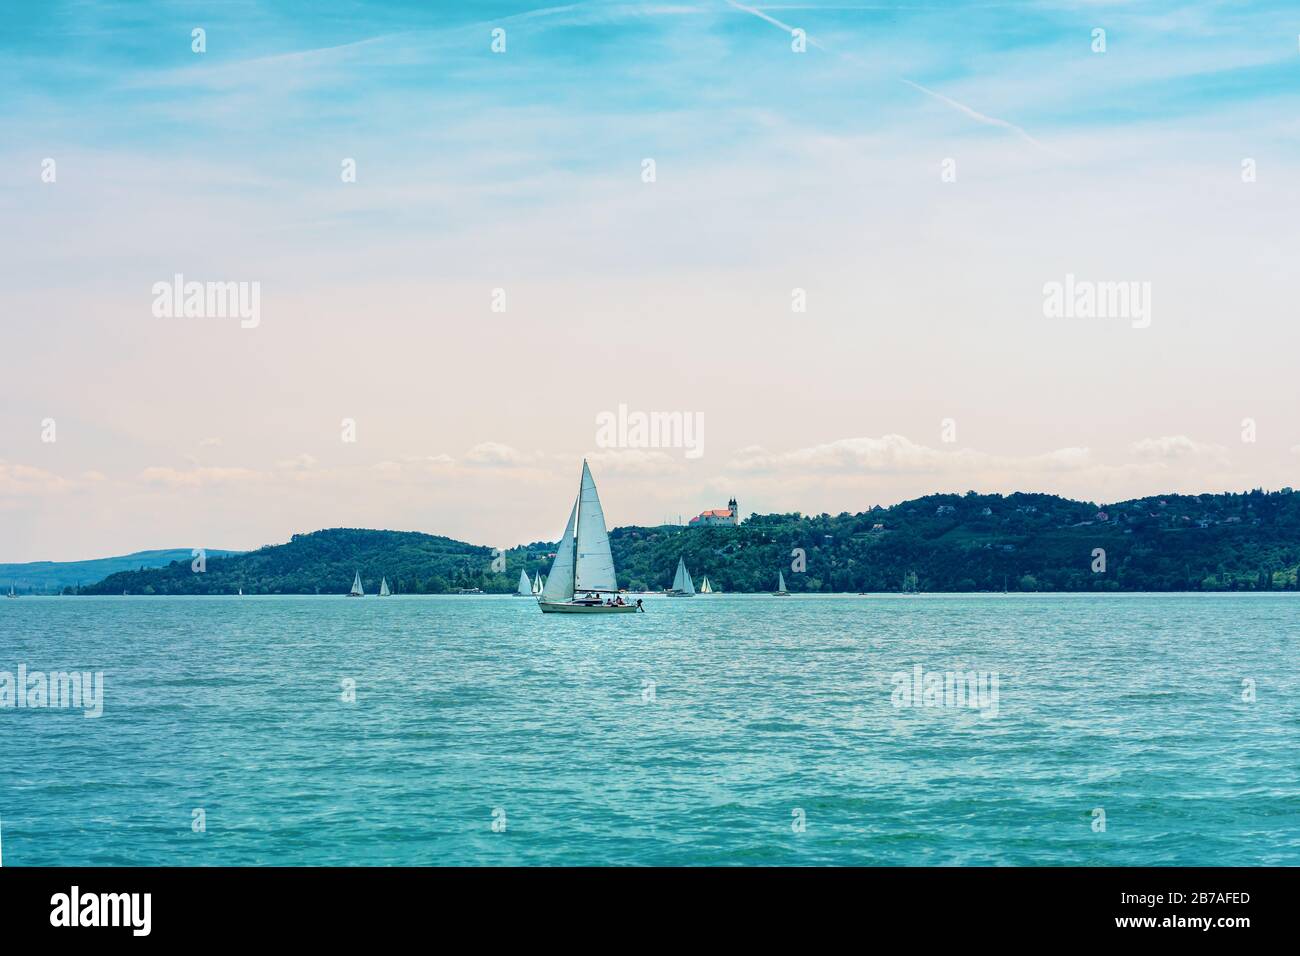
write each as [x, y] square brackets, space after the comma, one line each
[780, 580]
[559, 584]
[594, 570]
[525, 586]
[682, 582]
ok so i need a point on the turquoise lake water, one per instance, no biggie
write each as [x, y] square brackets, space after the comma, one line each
[714, 730]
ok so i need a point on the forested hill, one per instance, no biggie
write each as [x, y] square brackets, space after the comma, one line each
[1025, 542]
[51, 577]
[323, 563]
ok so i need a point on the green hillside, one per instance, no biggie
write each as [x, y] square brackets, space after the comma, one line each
[1025, 542]
[51, 577]
[324, 563]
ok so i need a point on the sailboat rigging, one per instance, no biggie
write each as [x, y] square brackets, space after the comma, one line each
[583, 569]
[683, 586]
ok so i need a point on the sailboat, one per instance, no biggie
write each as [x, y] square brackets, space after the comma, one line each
[356, 587]
[11, 593]
[705, 586]
[538, 584]
[526, 587]
[780, 586]
[241, 592]
[583, 569]
[683, 586]
[383, 587]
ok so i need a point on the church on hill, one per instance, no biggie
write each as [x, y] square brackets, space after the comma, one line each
[729, 515]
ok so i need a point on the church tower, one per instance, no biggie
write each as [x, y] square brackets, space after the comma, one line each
[735, 511]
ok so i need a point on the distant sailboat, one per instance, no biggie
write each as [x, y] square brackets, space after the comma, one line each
[705, 586]
[538, 584]
[241, 592]
[383, 587]
[584, 564]
[11, 593]
[525, 588]
[683, 586]
[356, 587]
[780, 586]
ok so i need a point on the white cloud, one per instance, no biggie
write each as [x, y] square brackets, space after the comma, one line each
[26, 481]
[493, 454]
[898, 455]
[634, 461]
[297, 463]
[198, 477]
[1176, 448]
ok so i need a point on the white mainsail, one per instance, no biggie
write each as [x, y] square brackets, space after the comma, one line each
[780, 581]
[383, 587]
[705, 586]
[525, 586]
[594, 568]
[682, 582]
[356, 585]
[559, 585]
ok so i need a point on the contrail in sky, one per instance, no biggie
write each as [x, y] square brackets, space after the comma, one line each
[946, 100]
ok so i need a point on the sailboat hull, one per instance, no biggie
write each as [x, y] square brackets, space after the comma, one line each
[564, 607]
[678, 594]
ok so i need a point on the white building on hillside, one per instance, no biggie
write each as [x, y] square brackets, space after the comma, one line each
[729, 515]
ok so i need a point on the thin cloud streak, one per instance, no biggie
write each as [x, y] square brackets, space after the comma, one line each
[946, 100]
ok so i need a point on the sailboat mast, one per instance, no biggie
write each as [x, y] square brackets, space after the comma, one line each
[577, 523]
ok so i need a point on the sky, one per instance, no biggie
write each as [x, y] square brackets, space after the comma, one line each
[839, 265]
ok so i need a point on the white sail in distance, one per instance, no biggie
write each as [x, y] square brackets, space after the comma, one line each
[780, 580]
[594, 568]
[525, 586]
[682, 582]
[383, 587]
[559, 584]
[356, 584]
